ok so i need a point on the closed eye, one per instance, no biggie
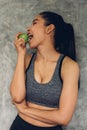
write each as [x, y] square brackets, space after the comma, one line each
[35, 21]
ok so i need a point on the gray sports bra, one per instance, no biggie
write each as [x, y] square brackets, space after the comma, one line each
[47, 94]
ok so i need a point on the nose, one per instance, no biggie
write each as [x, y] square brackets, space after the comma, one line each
[28, 28]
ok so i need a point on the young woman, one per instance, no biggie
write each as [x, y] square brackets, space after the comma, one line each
[44, 87]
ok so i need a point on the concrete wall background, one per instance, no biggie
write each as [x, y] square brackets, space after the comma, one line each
[15, 16]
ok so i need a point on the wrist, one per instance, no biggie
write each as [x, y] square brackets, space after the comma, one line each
[21, 55]
[20, 60]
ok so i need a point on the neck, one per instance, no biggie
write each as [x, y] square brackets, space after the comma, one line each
[46, 52]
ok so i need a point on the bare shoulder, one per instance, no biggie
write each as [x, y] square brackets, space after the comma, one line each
[70, 67]
[68, 62]
[27, 60]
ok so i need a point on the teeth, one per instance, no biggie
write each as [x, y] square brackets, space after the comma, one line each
[30, 36]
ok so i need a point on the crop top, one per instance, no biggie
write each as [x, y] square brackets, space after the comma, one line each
[47, 94]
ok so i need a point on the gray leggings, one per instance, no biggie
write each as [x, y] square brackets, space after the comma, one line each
[20, 124]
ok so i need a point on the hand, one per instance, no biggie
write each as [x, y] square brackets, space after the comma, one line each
[20, 45]
[21, 106]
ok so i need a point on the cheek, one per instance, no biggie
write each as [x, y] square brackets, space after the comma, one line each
[39, 37]
[40, 33]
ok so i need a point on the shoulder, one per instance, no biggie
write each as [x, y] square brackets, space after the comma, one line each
[70, 67]
[27, 60]
[68, 62]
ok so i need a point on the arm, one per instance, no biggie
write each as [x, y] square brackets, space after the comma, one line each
[68, 99]
[17, 87]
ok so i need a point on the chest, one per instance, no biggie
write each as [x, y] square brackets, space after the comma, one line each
[43, 72]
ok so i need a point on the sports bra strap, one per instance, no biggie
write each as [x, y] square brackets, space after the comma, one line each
[60, 67]
[30, 61]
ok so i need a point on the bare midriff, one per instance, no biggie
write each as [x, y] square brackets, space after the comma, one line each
[34, 121]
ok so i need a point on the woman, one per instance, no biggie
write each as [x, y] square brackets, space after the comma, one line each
[44, 87]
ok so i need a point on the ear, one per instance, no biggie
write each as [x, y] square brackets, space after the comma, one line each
[50, 28]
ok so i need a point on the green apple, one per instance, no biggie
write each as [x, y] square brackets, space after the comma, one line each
[24, 36]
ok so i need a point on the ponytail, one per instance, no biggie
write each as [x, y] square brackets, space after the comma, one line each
[64, 34]
[65, 41]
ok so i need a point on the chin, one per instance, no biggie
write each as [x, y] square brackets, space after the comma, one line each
[32, 46]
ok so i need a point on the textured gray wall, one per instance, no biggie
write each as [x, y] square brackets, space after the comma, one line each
[15, 16]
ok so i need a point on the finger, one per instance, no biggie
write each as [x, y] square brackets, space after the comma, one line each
[17, 36]
[23, 45]
[20, 42]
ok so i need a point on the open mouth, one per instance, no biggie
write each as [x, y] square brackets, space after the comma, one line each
[30, 36]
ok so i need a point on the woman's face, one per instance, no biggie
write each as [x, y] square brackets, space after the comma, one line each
[37, 32]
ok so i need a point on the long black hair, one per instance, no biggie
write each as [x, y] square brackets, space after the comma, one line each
[64, 34]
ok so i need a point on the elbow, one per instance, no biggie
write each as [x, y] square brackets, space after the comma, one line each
[64, 119]
[65, 122]
[17, 100]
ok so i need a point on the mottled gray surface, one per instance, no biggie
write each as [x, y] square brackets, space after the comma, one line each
[15, 16]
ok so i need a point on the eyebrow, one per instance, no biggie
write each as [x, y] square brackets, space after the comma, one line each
[35, 20]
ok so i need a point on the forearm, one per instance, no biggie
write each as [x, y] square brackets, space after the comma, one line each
[48, 116]
[30, 112]
[17, 87]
